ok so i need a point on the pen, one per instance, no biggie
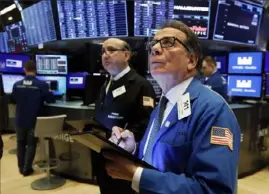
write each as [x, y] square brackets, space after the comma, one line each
[119, 140]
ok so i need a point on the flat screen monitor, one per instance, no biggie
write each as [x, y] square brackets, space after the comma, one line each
[150, 15]
[51, 64]
[12, 63]
[237, 21]
[3, 42]
[155, 85]
[244, 86]
[39, 23]
[17, 41]
[91, 19]
[9, 81]
[221, 62]
[56, 84]
[245, 63]
[266, 65]
[76, 80]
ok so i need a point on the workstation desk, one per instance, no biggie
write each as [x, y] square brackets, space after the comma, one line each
[75, 158]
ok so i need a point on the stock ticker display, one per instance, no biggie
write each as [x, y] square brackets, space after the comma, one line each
[3, 42]
[39, 23]
[150, 15]
[89, 19]
[16, 38]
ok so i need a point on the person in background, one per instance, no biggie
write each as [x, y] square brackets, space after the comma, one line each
[126, 100]
[29, 95]
[193, 137]
[213, 78]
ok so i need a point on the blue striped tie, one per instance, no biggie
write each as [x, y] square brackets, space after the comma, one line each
[157, 123]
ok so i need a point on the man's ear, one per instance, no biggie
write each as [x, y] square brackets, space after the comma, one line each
[127, 56]
[193, 61]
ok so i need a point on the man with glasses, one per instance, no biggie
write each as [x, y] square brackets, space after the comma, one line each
[193, 137]
[126, 100]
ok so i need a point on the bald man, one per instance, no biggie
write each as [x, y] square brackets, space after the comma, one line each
[126, 99]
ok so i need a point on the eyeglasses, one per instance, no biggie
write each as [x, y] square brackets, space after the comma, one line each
[165, 42]
[111, 50]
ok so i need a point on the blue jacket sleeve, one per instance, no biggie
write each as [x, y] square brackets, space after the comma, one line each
[212, 169]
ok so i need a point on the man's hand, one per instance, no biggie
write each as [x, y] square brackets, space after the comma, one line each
[119, 167]
[124, 137]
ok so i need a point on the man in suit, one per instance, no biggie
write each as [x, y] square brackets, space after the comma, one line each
[193, 137]
[126, 100]
[213, 78]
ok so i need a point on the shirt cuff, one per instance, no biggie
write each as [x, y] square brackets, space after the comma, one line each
[136, 179]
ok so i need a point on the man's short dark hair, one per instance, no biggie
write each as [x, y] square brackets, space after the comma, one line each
[30, 66]
[192, 41]
[211, 60]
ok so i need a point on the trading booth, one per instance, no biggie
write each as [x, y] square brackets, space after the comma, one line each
[65, 37]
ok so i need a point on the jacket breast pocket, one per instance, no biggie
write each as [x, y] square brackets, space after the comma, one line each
[176, 157]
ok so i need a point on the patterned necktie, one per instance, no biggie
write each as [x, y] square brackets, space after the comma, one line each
[155, 128]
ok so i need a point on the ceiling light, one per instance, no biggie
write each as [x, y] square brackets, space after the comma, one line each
[7, 9]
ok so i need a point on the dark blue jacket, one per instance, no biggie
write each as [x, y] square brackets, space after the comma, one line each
[189, 153]
[29, 95]
[218, 84]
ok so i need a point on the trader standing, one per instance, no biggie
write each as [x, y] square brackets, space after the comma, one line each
[193, 137]
[126, 100]
[29, 95]
[213, 78]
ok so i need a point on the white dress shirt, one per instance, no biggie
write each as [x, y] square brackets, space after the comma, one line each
[173, 96]
[117, 77]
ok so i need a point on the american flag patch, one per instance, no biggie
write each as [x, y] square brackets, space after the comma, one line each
[221, 136]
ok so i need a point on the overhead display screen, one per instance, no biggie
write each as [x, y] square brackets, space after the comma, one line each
[39, 23]
[16, 38]
[237, 21]
[3, 42]
[89, 19]
[150, 15]
[12, 63]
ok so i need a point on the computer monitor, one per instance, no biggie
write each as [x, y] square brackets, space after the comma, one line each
[56, 84]
[16, 41]
[237, 21]
[150, 15]
[12, 63]
[51, 64]
[92, 19]
[76, 80]
[9, 81]
[266, 65]
[221, 64]
[245, 63]
[39, 23]
[244, 86]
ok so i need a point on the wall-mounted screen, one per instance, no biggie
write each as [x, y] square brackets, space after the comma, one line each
[244, 86]
[17, 41]
[150, 15]
[245, 63]
[9, 81]
[39, 23]
[51, 64]
[90, 19]
[237, 21]
[56, 84]
[12, 63]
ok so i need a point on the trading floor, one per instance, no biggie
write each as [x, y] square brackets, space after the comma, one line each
[12, 181]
